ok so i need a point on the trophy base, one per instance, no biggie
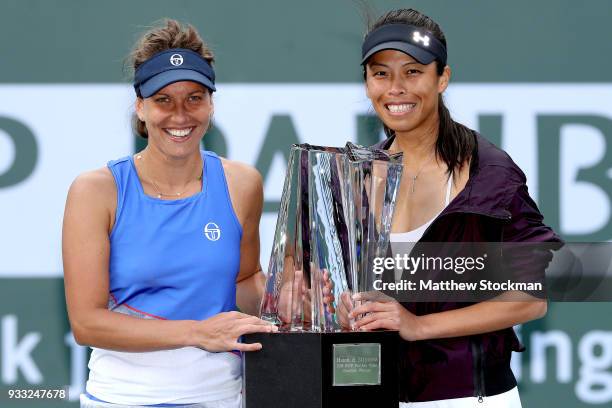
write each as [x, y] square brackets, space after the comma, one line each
[315, 370]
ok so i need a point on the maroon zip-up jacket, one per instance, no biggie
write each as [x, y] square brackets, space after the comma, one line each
[494, 206]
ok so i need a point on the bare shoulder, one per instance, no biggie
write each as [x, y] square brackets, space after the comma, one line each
[97, 184]
[245, 186]
[242, 176]
[93, 192]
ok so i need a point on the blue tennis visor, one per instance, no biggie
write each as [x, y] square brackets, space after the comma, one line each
[417, 42]
[170, 66]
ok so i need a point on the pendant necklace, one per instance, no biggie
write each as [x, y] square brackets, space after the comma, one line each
[414, 178]
[158, 190]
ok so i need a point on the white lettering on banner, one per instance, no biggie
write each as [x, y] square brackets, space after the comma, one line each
[322, 114]
[593, 384]
[595, 380]
[562, 344]
[581, 146]
[16, 354]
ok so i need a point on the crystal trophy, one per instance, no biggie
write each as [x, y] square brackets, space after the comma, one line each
[334, 219]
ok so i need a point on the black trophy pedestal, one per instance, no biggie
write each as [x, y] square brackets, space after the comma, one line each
[298, 370]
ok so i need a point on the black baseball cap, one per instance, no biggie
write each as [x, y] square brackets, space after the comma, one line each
[417, 42]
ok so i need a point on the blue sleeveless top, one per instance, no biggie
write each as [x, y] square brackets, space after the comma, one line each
[173, 259]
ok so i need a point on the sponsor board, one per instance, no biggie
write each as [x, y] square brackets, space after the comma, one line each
[560, 135]
[567, 355]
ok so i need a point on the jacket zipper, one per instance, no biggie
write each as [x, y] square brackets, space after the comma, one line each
[478, 372]
[477, 349]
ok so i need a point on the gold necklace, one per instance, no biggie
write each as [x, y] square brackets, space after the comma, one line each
[414, 178]
[158, 190]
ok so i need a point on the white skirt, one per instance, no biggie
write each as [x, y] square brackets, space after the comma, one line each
[508, 399]
[181, 376]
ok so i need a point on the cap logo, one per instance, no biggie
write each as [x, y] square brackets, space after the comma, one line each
[417, 37]
[176, 60]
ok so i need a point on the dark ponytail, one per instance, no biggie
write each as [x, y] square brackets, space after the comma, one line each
[456, 143]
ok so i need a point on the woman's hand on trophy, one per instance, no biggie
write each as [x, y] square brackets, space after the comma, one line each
[344, 308]
[291, 297]
[328, 292]
[294, 301]
[222, 332]
[386, 314]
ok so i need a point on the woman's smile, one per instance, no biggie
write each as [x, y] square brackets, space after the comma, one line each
[403, 91]
[179, 135]
[399, 108]
[177, 117]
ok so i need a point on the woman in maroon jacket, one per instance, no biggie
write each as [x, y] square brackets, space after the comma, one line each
[456, 187]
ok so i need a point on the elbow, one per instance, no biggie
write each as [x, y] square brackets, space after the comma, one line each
[81, 334]
[87, 325]
[538, 310]
[79, 340]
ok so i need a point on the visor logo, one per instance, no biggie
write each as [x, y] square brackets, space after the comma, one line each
[212, 231]
[418, 38]
[176, 60]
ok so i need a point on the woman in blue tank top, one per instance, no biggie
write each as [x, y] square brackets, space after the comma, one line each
[161, 248]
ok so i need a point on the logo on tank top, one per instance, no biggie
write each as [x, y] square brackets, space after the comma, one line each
[212, 231]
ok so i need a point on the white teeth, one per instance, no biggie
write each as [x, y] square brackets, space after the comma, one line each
[179, 132]
[401, 108]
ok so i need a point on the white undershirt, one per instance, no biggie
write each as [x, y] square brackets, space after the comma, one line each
[403, 242]
[417, 233]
